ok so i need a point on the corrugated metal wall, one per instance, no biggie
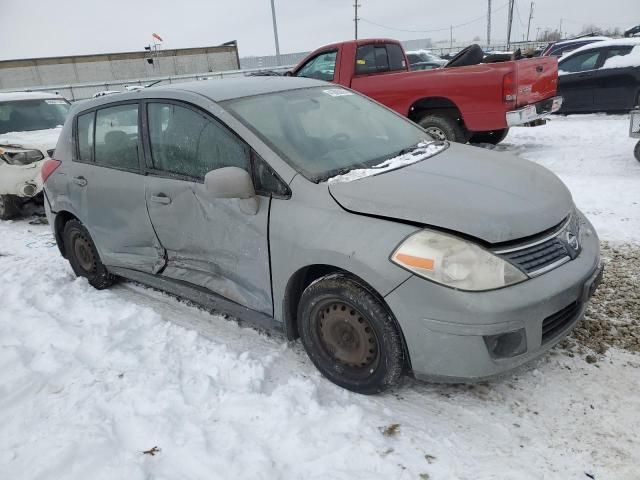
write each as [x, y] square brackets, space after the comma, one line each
[22, 74]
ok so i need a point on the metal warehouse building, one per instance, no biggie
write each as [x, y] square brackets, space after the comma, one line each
[91, 73]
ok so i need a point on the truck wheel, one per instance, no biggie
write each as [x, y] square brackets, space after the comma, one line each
[441, 127]
[83, 256]
[636, 151]
[493, 137]
[9, 207]
[349, 335]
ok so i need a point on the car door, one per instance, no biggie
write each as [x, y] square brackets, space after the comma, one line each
[373, 62]
[577, 81]
[210, 242]
[106, 186]
[616, 86]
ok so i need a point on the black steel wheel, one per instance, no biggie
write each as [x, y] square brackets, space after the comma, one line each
[636, 151]
[349, 334]
[9, 207]
[442, 127]
[83, 255]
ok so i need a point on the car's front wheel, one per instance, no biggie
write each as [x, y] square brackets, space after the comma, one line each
[349, 334]
[83, 255]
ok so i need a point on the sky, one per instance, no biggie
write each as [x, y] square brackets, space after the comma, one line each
[33, 28]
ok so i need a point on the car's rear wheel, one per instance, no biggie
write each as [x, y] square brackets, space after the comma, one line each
[83, 255]
[349, 335]
[636, 151]
[442, 127]
[492, 137]
[9, 207]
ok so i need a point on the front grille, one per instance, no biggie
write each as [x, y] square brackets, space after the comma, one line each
[558, 322]
[538, 257]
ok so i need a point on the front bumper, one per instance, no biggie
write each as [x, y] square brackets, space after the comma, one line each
[533, 112]
[445, 329]
[21, 180]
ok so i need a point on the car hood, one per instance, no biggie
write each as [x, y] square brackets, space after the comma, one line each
[42, 140]
[495, 197]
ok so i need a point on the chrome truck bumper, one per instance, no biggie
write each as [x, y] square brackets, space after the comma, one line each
[533, 112]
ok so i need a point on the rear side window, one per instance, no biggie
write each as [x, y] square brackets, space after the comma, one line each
[396, 57]
[187, 142]
[85, 137]
[379, 58]
[116, 138]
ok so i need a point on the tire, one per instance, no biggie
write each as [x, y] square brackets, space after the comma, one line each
[636, 151]
[9, 207]
[83, 256]
[493, 137]
[441, 127]
[349, 335]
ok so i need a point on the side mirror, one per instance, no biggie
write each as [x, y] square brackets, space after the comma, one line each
[233, 182]
[288, 73]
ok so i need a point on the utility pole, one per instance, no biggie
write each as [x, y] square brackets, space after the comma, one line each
[451, 36]
[560, 29]
[275, 32]
[538, 34]
[355, 16]
[510, 22]
[530, 18]
[489, 23]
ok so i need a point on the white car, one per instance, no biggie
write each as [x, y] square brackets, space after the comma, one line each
[30, 123]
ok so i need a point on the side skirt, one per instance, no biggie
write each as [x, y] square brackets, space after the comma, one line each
[202, 297]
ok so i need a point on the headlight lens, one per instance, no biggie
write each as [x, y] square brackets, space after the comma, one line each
[454, 262]
[21, 157]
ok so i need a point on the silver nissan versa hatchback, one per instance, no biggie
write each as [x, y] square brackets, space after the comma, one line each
[303, 207]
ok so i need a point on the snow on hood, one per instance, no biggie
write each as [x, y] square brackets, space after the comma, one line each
[42, 140]
[422, 150]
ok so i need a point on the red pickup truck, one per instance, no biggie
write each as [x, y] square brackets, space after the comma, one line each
[479, 100]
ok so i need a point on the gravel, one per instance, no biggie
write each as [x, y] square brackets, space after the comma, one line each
[612, 318]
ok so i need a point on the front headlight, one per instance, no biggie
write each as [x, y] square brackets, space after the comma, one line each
[20, 157]
[454, 262]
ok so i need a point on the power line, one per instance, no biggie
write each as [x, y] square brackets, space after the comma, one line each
[434, 29]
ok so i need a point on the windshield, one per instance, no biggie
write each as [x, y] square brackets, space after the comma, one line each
[323, 131]
[27, 115]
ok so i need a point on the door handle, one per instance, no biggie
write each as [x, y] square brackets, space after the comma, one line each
[539, 68]
[161, 198]
[80, 181]
[585, 75]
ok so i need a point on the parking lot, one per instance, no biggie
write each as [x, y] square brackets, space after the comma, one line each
[92, 379]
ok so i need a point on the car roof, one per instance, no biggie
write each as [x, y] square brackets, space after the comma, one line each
[217, 90]
[619, 42]
[12, 96]
[580, 40]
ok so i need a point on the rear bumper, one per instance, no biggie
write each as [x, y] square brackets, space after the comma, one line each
[21, 180]
[533, 112]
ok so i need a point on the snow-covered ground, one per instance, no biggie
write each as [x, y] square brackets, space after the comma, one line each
[593, 155]
[89, 380]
